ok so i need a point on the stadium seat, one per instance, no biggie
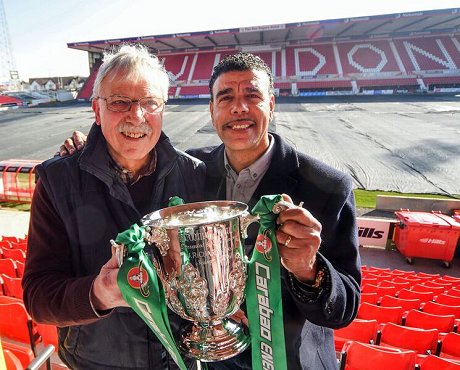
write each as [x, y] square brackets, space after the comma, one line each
[359, 330]
[4, 244]
[20, 268]
[453, 291]
[16, 324]
[436, 284]
[437, 363]
[6, 299]
[425, 288]
[422, 341]
[8, 267]
[427, 275]
[20, 245]
[380, 290]
[424, 320]
[367, 311]
[450, 346]
[361, 356]
[406, 304]
[369, 298]
[48, 334]
[411, 294]
[400, 285]
[441, 309]
[24, 354]
[405, 279]
[15, 254]
[11, 361]
[12, 286]
[9, 238]
[448, 299]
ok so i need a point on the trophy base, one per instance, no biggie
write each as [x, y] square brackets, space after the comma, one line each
[217, 342]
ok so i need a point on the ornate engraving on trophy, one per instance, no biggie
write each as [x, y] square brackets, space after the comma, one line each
[201, 265]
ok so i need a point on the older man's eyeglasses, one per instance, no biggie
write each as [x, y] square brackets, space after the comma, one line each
[148, 104]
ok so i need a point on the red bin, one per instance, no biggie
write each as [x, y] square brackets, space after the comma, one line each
[426, 235]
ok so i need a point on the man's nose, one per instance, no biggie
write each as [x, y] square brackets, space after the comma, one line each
[240, 106]
[136, 111]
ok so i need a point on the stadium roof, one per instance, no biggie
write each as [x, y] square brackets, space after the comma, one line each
[259, 38]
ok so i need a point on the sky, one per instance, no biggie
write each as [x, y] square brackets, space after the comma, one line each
[40, 29]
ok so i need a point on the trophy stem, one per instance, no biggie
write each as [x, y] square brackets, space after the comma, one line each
[215, 342]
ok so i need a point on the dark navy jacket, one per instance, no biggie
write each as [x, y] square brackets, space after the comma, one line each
[327, 194]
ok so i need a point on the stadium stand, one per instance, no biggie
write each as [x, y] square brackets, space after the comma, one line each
[385, 54]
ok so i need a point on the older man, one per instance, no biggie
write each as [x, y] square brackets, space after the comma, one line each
[127, 169]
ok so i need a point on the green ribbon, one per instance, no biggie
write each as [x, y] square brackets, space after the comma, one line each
[143, 291]
[140, 288]
[263, 292]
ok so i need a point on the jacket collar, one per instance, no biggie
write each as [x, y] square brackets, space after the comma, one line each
[278, 179]
[95, 159]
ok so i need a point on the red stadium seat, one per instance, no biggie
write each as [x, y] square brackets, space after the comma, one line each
[369, 298]
[16, 324]
[406, 304]
[20, 268]
[448, 299]
[8, 267]
[48, 334]
[24, 354]
[15, 254]
[442, 309]
[361, 356]
[453, 291]
[450, 347]
[437, 363]
[425, 288]
[411, 294]
[12, 286]
[424, 320]
[359, 330]
[11, 361]
[4, 244]
[367, 311]
[380, 290]
[422, 341]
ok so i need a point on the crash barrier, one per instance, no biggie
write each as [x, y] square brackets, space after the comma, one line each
[17, 183]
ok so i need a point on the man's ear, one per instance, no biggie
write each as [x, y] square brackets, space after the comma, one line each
[96, 109]
[211, 110]
[272, 106]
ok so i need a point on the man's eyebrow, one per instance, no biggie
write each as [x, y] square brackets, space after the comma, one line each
[252, 89]
[224, 92]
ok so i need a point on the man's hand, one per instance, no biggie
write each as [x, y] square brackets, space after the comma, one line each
[105, 293]
[72, 144]
[299, 238]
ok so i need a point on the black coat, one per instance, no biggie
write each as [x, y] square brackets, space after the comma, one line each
[327, 194]
[80, 204]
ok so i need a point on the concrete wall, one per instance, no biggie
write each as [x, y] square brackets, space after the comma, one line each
[395, 203]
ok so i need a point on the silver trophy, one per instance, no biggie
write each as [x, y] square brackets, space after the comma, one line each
[198, 256]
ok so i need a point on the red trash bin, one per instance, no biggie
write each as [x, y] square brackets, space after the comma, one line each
[426, 235]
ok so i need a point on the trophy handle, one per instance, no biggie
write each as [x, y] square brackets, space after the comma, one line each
[245, 220]
[120, 251]
[282, 205]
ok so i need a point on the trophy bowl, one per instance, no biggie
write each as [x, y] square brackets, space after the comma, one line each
[197, 252]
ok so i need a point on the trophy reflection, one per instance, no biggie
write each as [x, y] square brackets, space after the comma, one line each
[198, 256]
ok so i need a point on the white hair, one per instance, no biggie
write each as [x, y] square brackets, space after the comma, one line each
[133, 62]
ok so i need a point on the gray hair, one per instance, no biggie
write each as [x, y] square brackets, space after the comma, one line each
[133, 62]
